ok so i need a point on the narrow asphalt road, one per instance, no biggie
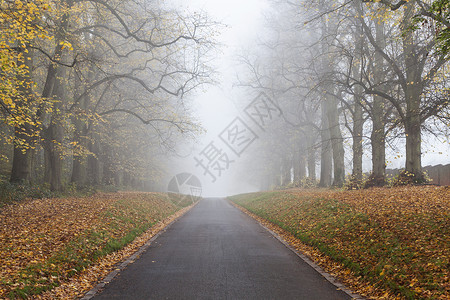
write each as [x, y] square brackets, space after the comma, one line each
[217, 252]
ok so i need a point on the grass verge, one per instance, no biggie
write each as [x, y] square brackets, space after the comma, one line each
[390, 243]
[46, 242]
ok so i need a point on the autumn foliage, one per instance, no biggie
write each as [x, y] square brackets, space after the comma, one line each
[387, 243]
[44, 243]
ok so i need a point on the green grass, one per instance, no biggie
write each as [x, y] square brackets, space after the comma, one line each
[119, 226]
[380, 250]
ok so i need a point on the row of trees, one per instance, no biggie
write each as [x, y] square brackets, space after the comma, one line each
[360, 73]
[92, 90]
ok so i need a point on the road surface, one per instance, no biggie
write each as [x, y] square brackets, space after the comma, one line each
[217, 252]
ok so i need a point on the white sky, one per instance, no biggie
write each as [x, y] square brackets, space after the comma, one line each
[243, 16]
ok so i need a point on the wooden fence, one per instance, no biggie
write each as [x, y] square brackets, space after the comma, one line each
[439, 174]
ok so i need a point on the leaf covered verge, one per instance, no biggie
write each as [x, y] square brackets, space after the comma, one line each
[395, 243]
[46, 242]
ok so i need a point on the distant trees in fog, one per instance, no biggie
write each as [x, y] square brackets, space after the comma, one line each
[350, 73]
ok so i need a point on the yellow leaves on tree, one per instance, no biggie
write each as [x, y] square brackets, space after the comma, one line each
[20, 28]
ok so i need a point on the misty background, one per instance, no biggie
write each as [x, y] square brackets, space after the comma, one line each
[246, 27]
[246, 95]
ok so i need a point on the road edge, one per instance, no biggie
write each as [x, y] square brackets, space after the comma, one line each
[120, 266]
[330, 278]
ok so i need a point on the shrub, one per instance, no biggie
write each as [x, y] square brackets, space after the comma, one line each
[12, 192]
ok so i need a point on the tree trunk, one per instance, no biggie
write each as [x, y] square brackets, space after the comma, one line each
[79, 169]
[21, 164]
[337, 142]
[23, 134]
[413, 136]
[55, 160]
[325, 154]
[108, 172]
[412, 96]
[378, 135]
[311, 157]
[299, 164]
[93, 165]
[377, 139]
[357, 146]
[276, 180]
[358, 121]
[286, 171]
[54, 89]
[55, 135]
[330, 104]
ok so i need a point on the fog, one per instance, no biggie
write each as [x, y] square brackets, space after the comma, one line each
[245, 95]
[246, 24]
[217, 105]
